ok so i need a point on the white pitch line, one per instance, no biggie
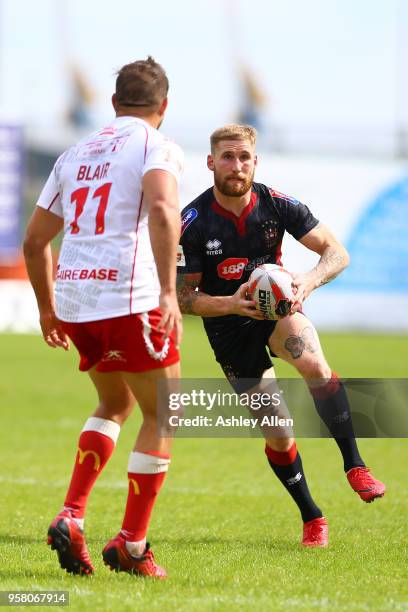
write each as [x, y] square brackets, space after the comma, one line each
[62, 484]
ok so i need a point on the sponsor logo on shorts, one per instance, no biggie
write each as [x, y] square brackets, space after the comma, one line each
[188, 218]
[229, 372]
[232, 268]
[114, 356]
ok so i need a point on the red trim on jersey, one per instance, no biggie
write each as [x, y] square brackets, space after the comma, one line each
[53, 201]
[278, 194]
[240, 221]
[108, 131]
[137, 227]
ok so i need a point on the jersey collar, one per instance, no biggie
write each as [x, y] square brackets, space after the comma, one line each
[239, 222]
[128, 119]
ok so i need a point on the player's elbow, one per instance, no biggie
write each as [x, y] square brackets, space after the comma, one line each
[336, 251]
[164, 211]
[32, 245]
[346, 258]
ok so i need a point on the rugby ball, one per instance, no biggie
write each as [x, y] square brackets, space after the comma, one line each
[270, 286]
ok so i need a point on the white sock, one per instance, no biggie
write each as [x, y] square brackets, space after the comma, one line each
[103, 426]
[136, 549]
[79, 521]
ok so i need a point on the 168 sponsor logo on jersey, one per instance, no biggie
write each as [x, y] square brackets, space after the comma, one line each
[233, 267]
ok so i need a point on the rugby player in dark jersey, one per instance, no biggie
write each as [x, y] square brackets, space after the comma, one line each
[227, 231]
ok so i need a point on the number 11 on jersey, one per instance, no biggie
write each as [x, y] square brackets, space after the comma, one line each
[80, 196]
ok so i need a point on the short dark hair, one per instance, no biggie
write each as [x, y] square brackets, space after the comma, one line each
[141, 83]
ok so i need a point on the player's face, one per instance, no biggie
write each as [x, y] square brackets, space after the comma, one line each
[233, 163]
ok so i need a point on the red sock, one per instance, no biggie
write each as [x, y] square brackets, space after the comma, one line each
[146, 472]
[325, 391]
[96, 444]
[282, 457]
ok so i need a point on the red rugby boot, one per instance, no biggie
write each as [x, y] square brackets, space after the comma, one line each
[118, 558]
[363, 483]
[316, 533]
[68, 540]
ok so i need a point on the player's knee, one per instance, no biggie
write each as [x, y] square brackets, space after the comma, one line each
[117, 408]
[149, 418]
[316, 373]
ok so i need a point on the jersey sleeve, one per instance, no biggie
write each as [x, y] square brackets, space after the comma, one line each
[190, 257]
[50, 197]
[297, 217]
[165, 155]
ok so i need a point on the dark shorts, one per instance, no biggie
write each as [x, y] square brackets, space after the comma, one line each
[241, 348]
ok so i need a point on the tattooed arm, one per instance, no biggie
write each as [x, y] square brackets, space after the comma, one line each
[333, 259]
[333, 256]
[196, 302]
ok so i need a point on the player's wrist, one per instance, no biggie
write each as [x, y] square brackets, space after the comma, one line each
[313, 279]
[228, 305]
[167, 291]
[46, 312]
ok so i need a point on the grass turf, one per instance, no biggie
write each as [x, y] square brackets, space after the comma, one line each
[223, 526]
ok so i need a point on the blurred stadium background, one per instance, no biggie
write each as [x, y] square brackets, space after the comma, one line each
[325, 82]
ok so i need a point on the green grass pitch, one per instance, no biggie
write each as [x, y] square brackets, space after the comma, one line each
[223, 526]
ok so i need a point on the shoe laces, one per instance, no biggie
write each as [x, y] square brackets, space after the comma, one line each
[315, 529]
[363, 475]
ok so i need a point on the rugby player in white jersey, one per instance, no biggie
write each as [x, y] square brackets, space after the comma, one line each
[115, 196]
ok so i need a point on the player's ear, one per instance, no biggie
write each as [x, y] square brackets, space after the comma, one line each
[255, 160]
[210, 163]
[163, 107]
[114, 102]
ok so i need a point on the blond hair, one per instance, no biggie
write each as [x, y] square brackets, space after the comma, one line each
[233, 131]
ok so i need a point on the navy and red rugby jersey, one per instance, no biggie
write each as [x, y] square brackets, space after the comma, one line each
[226, 248]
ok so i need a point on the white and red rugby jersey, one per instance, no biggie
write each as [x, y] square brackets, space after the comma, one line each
[106, 266]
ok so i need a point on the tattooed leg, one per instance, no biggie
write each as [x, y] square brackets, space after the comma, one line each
[304, 341]
[296, 341]
[295, 345]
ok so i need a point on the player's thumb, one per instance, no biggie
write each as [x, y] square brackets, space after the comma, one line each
[243, 290]
[64, 339]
